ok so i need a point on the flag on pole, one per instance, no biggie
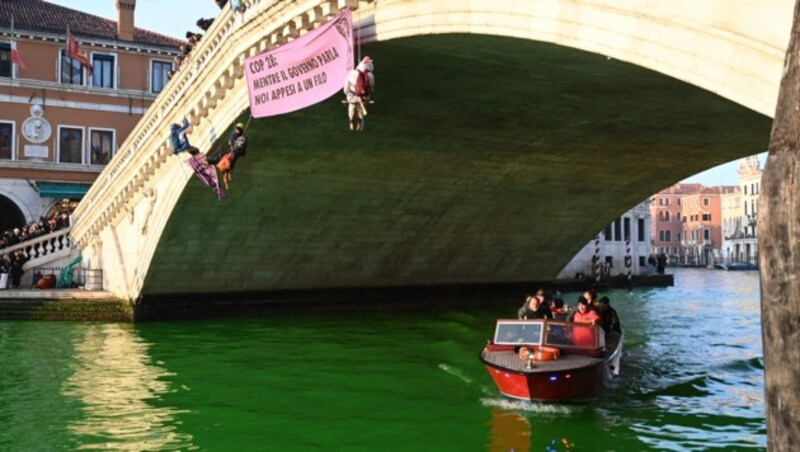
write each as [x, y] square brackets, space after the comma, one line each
[16, 58]
[74, 51]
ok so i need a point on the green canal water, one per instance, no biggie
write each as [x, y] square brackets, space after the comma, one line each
[406, 379]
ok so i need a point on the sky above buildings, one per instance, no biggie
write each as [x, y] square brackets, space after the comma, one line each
[725, 174]
[175, 17]
[170, 17]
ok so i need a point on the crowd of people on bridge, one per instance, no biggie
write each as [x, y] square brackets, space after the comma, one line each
[33, 230]
[192, 38]
[12, 262]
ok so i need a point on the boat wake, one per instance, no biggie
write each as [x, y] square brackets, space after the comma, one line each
[531, 407]
[455, 372]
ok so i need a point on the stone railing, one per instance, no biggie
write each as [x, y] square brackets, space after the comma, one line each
[206, 78]
[47, 248]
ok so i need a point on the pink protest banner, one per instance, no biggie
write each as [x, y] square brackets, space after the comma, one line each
[303, 72]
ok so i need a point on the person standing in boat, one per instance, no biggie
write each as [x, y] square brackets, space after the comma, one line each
[557, 305]
[591, 299]
[535, 307]
[609, 317]
[582, 336]
[584, 313]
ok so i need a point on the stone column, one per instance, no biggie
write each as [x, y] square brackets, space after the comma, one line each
[779, 241]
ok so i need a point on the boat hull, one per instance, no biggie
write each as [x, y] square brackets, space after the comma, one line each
[575, 385]
[557, 385]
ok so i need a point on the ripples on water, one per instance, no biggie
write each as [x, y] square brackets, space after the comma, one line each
[692, 380]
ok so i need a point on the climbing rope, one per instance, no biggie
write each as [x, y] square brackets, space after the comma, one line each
[358, 41]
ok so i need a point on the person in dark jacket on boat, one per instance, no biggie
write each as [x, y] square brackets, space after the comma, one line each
[535, 307]
[608, 317]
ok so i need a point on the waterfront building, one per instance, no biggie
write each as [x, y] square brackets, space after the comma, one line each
[611, 246]
[667, 221]
[742, 244]
[701, 215]
[59, 123]
[732, 221]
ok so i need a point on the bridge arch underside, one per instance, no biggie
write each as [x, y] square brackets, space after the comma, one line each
[485, 160]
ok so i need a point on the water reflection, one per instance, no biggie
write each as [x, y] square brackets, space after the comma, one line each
[119, 388]
[509, 431]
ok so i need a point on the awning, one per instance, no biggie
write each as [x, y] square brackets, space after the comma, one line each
[61, 191]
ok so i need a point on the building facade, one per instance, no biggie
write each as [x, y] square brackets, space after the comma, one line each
[59, 123]
[667, 222]
[742, 244]
[702, 226]
[628, 232]
[732, 221]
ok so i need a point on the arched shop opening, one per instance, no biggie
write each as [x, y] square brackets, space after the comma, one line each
[12, 216]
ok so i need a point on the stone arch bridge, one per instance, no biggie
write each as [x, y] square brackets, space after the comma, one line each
[505, 135]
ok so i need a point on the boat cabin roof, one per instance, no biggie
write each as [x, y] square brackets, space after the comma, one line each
[552, 333]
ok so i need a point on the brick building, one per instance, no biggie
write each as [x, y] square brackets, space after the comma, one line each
[59, 126]
[701, 237]
[666, 221]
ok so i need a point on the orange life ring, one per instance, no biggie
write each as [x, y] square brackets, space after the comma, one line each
[547, 354]
[540, 353]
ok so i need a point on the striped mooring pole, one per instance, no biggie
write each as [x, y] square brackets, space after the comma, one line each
[596, 259]
[628, 259]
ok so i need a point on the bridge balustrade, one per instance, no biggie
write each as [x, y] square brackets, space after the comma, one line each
[43, 249]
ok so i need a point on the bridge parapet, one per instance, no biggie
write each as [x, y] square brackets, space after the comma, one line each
[44, 249]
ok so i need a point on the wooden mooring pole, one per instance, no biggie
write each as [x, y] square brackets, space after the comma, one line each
[779, 259]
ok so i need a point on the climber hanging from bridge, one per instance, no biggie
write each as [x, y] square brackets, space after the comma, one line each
[178, 139]
[237, 145]
[237, 148]
[358, 87]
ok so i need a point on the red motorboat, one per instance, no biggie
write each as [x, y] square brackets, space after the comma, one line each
[552, 361]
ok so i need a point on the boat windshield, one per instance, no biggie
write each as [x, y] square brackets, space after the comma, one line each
[562, 335]
[517, 332]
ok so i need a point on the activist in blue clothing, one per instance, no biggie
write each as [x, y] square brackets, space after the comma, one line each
[178, 139]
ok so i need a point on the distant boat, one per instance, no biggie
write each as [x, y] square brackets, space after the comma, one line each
[736, 266]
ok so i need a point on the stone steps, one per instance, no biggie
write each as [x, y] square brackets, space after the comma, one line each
[63, 305]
